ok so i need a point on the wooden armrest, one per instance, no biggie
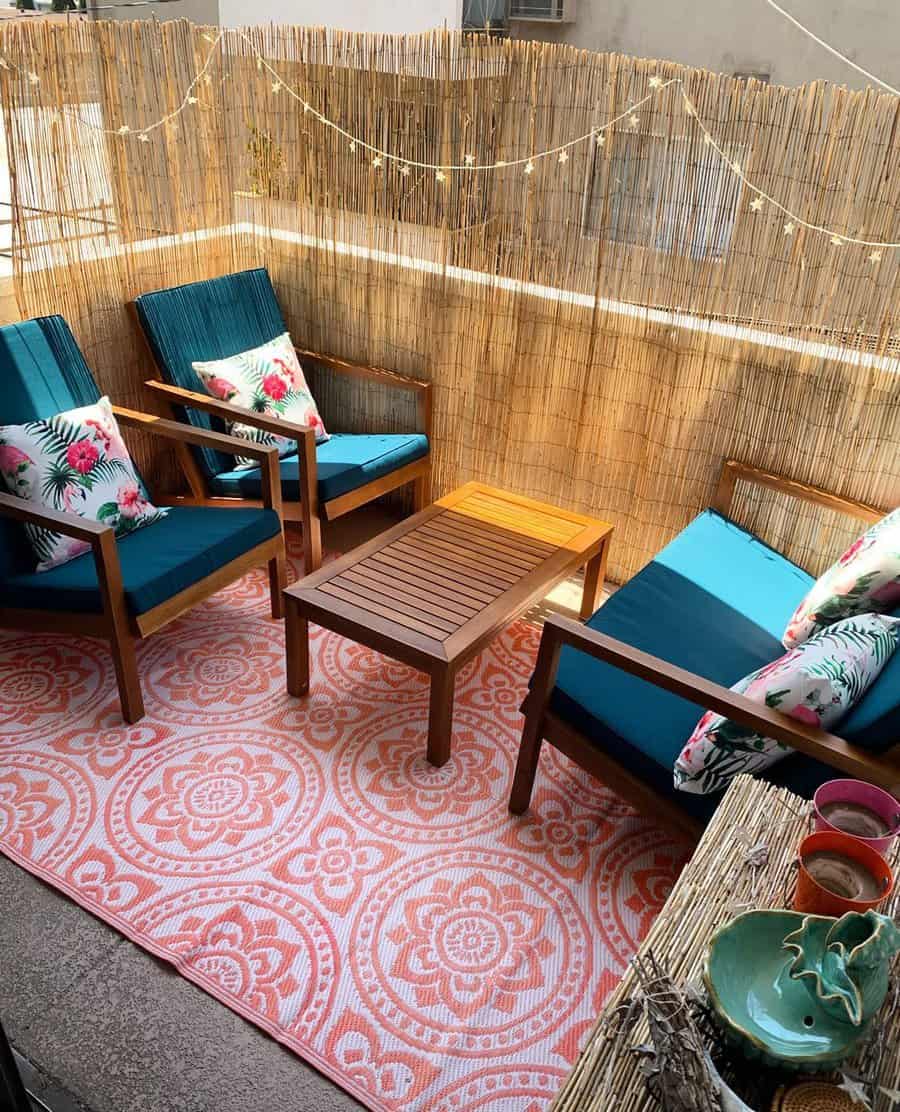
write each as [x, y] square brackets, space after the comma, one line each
[234, 445]
[363, 370]
[177, 395]
[70, 525]
[813, 742]
[733, 470]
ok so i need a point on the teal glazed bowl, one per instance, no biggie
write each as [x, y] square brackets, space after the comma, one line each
[770, 1015]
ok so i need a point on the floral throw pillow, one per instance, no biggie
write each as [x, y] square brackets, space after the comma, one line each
[266, 379]
[816, 683]
[75, 462]
[865, 579]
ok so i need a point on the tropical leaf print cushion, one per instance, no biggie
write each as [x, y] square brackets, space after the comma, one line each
[816, 683]
[76, 462]
[266, 379]
[865, 579]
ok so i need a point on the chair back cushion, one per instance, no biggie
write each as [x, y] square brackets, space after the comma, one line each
[42, 373]
[208, 320]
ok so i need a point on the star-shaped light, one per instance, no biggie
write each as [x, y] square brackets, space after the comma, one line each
[875, 257]
[756, 204]
[529, 167]
[633, 121]
[377, 161]
[207, 79]
[855, 1090]
[404, 170]
[352, 145]
[736, 166]
[655, 81]
[440, 176]
[143, 137]
[600, 139]
[469, 160]
[707, 139]
[790, 228]
[33, 78]
[837, 241]
[192, 100]
[124, 129]
[276, 87]
[563, 156]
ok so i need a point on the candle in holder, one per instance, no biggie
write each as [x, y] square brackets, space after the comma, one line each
[860, 809]
[840, 873]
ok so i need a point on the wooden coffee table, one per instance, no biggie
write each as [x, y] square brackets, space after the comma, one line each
[432, 591]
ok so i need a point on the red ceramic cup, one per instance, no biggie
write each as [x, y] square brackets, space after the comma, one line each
[812, 899]
[886, 806]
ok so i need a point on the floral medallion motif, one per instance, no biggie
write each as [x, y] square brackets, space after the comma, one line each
[216, 676]
[109, 743]
[261, 948]
[501, 1089]
[469, 933]
[335, 864]
[45, 807]
[46, 679]
[388, 785]
[554, 830]
[639, 870]
[394, 1078]
[213, 804]
[95, 874]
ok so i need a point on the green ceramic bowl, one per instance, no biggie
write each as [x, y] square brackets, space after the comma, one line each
[760, 1007]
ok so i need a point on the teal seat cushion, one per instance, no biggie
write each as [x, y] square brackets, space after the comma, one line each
[715, 601]
[208, 320]
[874, 722]
[158, 561]
[344, 462]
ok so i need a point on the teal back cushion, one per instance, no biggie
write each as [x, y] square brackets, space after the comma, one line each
[208, 320]
[42, 373]
[875, 720]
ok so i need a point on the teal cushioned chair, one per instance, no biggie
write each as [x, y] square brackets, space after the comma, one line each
[621, 694]
[125, 589]
[223, 316]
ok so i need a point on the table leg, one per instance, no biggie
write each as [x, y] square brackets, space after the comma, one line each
[594, 576]
[440, 716]
[296, 639]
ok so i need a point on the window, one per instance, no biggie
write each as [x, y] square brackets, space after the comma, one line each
[482, 15]
[668, 192]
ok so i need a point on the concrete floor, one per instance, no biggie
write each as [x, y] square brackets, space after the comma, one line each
[105, 1027]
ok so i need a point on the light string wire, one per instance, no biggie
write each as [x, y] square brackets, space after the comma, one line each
[657, 84]
[832, 49]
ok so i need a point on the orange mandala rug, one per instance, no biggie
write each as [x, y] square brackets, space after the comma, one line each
[300, 860]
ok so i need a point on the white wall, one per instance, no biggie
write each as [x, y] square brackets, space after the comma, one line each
[729, 36]
[390, 16]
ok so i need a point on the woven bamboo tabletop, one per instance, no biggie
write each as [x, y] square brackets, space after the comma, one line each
[715, 880]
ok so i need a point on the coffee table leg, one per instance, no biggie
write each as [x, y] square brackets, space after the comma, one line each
[440, 717]
[594, 576]
[296, 637]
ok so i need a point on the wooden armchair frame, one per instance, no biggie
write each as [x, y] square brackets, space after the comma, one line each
[114, 623]
[541, 723]
[308, 511]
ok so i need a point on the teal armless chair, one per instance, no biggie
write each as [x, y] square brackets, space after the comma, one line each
[124, 589]
[621, 694]
[223, 316]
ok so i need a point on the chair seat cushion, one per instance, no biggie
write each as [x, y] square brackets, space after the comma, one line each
[185, 546]
[714, 601]
[345, 462]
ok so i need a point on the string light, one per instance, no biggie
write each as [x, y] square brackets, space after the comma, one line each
[875, 257]
[529, 167]
[563, 156]
[633, 121]
[655, 81]
[440, 176]
[404, 170]
[756, 204]
[469, 160]
[376, 161]
[790, 228]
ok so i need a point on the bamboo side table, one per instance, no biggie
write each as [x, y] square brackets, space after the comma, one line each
[716, 880]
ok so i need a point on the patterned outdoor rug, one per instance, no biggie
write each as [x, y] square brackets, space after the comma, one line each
[300, 861]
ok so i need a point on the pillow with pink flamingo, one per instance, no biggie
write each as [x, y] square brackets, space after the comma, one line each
[76, 462]
[267, 380]
[816, 683]
[866, 579]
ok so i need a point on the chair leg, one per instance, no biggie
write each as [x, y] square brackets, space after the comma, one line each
[121, 645]
[312, 542]
[527, 764]
[422, 491]
[277, 583]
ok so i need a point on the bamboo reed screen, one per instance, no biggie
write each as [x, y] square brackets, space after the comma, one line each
[602, 332]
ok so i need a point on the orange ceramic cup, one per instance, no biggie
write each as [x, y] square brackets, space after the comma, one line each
[812, 899]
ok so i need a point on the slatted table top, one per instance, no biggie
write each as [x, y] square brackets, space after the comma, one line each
[445, 580]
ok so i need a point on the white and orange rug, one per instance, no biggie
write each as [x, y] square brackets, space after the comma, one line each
[300, 860]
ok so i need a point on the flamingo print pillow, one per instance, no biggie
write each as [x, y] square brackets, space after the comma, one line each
[266, 379]
[816, 683]
[76, 462]
[865, 579]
